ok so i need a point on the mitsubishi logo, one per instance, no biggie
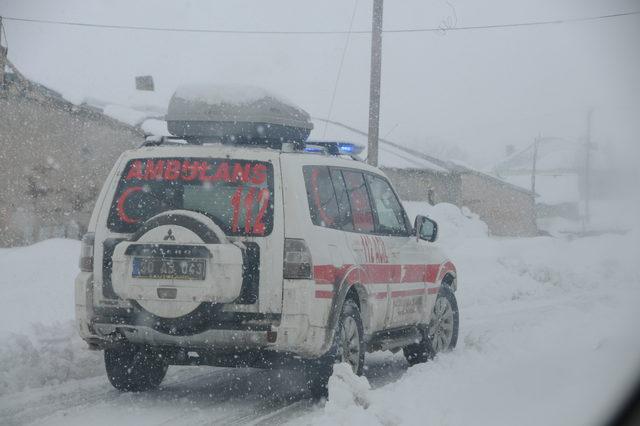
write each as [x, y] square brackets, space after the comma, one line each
[169, 236]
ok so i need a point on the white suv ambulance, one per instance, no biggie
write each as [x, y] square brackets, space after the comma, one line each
[236, 254]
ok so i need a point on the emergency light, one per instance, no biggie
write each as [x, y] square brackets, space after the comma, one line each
[334, 147]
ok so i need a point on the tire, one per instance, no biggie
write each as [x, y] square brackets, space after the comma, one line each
[132, 368]
[350, 350]
[441, 335]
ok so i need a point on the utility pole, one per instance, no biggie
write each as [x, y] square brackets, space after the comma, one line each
[374, 88]
[587, 173]
[536, 142]
[3, 56]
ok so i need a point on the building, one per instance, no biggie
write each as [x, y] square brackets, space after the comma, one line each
[558, 180]
[55, 156]
[507, 209]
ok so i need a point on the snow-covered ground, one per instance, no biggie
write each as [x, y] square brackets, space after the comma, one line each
[547, 337]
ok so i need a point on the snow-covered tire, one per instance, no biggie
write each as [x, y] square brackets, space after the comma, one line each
[348, 346]
[132, 368]
[441, 335]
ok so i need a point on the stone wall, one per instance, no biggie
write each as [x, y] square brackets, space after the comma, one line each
[415, 184]
[54, 158]
[507, 211]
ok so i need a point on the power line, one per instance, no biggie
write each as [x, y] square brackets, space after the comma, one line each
[520, 24]
[322, 32]
[344, 53]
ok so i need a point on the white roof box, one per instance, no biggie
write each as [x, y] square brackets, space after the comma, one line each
[235, 113]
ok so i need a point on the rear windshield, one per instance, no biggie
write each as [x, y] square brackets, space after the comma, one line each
[236, 194]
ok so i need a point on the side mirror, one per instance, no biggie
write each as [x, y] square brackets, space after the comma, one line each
[426, 229]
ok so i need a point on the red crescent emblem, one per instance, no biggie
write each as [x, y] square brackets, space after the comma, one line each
[120, 206]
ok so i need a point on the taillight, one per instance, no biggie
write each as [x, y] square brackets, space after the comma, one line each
[86, 252]
[297, 259]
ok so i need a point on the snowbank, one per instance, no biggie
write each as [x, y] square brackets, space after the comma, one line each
[39, 343]
[47, 355]
[37, 284]
[455, 225]
[348, 393]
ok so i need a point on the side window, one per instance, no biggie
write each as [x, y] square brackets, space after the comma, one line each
[322, 200]
[391, 219]
[359, 200]
[344, 208]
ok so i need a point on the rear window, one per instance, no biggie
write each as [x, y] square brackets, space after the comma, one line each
[322, 199]
[236, 194]
[359, 199]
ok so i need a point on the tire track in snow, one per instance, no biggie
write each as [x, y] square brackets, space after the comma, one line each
[32, 405]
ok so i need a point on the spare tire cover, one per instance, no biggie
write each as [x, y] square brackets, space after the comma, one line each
[178, 227]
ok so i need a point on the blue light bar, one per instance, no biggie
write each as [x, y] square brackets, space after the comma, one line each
[314, 149]
[350, 148]
[334, 148]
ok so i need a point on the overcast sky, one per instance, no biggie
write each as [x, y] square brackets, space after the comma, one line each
[464, 94]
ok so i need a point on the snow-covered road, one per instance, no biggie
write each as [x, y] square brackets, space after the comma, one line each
[547, 337]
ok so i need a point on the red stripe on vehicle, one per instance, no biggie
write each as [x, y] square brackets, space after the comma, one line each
[432, 273]
[324, 274]
[383, 274]
[355, 276]
[433, 290]
[414, 273]
[377, 274]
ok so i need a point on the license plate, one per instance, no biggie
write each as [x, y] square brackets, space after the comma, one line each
[168, 269]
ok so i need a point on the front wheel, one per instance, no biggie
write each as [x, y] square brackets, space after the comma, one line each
[441, 334]
[348, 347]
[132, 368]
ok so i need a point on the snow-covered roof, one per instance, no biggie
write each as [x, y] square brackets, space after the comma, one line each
[551, 189]
[392, 157]
[554, 155]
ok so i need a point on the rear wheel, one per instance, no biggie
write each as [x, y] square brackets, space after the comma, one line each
[133, 368]
[348, 347]
[442, 333]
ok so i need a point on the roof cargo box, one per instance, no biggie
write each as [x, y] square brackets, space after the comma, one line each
[235, 114]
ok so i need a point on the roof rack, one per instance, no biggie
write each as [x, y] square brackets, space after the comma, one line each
[153, 140]
[273, 143]
[335, 148]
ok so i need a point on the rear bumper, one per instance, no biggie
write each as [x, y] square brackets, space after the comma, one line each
[299, 340]
[215, 340]
[298, 332]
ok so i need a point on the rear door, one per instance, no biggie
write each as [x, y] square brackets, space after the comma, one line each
[328, 243]
[239, 190]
